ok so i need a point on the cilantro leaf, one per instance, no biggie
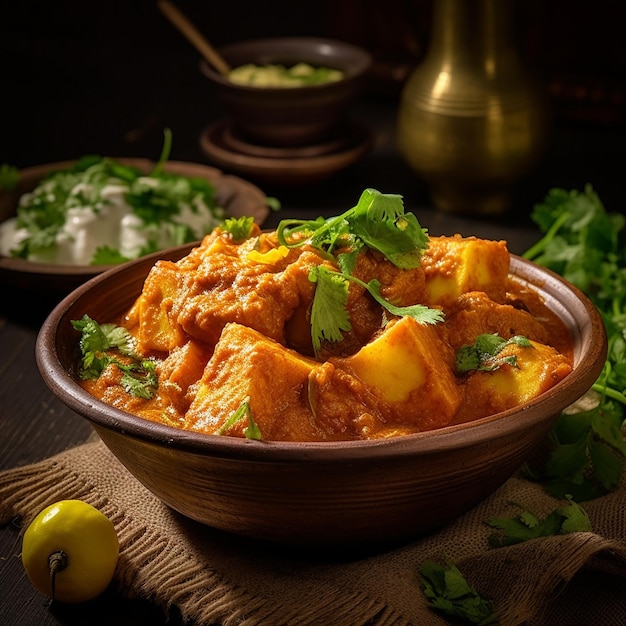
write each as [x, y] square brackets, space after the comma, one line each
[243, 412]
[482, 355]
[586, 454]
[378, 222]
[447, 591]
[238, 227]
[569, 518]
[9, 177]
[139, 377]
[329, 316]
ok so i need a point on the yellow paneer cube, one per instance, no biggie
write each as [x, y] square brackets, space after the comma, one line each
[246, 365]
[409, 369]
[154, 328]
[182, 368]
[538, 368]
[458, 265]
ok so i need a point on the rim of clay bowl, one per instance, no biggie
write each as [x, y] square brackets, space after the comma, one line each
[579, 314]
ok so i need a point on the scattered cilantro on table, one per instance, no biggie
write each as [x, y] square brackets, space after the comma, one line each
[448, 592]
[526, 525]
[586, 245]
[445, 586]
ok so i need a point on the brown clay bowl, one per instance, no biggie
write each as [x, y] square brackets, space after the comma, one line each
[291, 116]
[236, 195]
[319, 494]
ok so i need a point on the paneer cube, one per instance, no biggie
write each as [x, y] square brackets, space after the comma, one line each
[180, 371]
[456, 265]
[410, 370]
[246, 365]
[539, 368]
[153, 326]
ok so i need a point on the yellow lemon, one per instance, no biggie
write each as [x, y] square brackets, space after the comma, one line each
[70, 551]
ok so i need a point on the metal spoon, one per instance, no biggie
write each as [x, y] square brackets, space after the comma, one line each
[192, 34]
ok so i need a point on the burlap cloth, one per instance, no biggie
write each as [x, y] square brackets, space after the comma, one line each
[215, 578]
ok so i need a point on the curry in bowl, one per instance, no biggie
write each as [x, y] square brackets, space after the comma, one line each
[360, 326]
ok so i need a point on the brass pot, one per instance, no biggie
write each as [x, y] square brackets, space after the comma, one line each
[472, 120]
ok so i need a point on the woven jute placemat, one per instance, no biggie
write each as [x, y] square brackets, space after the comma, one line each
[214, 577]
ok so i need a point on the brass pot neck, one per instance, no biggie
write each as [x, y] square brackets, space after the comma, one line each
[476, 34]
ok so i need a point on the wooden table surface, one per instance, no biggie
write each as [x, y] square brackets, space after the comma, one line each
[123, 114]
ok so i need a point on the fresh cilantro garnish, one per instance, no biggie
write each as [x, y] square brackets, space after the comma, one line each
[569, 518]
[97, 338]
[172, 209]
[139, 378]
[251, 431]
[484, 354]
[108, 256]
[329, 316]
[379, 222]
[9, 176]
[448, 591]
[239, 228]
[586, 245]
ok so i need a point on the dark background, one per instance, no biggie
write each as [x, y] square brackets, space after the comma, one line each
[82, 77]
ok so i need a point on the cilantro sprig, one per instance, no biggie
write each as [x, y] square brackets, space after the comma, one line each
[139, 377]
[586, 244]
[379, 222]
[239, 228]
[243, 412]
[329, 316]
[484, 354]
[448, 591]
[525, 526]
